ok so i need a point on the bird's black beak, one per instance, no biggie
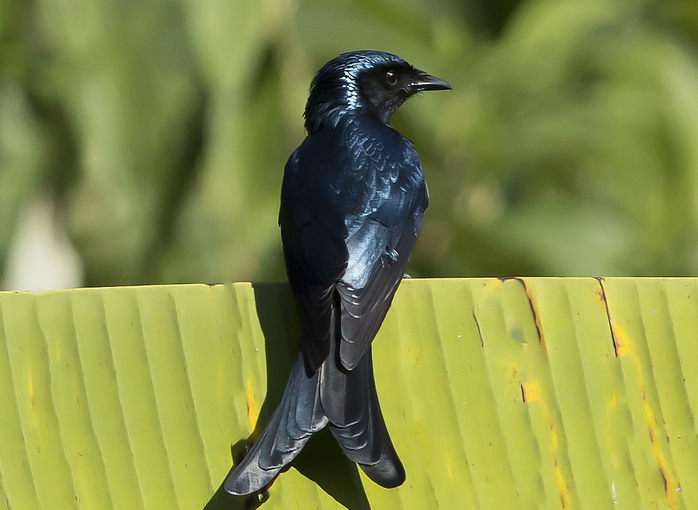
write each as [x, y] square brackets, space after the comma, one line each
[424, 81]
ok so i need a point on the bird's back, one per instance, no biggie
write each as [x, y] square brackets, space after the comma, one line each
[351, 196]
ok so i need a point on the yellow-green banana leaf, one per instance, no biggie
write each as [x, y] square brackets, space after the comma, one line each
[499, 394]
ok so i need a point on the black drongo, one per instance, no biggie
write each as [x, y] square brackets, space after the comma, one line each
[352, 202]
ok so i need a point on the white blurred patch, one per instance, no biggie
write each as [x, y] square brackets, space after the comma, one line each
[41, 256]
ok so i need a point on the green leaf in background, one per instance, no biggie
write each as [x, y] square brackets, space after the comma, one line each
[499, 394]
[160, 129]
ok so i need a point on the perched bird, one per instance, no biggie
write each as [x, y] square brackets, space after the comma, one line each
[352, 202]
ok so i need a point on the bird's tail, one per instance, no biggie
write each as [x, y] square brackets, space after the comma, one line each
[350, 402]
[346, 401]
[296, 418]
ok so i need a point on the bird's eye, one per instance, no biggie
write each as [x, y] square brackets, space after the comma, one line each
[391, 78]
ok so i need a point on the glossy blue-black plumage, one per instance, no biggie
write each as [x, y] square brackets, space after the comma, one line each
[352, 202]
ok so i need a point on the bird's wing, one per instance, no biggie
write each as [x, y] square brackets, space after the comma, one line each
[313, 234]
[349, 222]
[379, 245]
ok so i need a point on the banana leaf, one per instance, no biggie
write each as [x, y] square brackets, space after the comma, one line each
[521, 393]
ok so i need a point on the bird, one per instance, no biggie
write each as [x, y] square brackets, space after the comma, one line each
[353, 198]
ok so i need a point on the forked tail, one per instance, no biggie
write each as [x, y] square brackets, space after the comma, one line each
[346, 401]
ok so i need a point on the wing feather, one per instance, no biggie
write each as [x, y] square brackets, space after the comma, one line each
[378, 253]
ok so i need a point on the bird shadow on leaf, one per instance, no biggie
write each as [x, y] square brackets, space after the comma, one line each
[321, 461]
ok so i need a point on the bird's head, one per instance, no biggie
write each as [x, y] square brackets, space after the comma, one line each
[364, 81]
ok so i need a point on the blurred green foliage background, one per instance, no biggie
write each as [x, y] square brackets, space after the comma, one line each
[160, 128]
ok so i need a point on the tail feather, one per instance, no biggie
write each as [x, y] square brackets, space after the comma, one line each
[345, 400]
[351, 404]
[296, 418]
[388, 471]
